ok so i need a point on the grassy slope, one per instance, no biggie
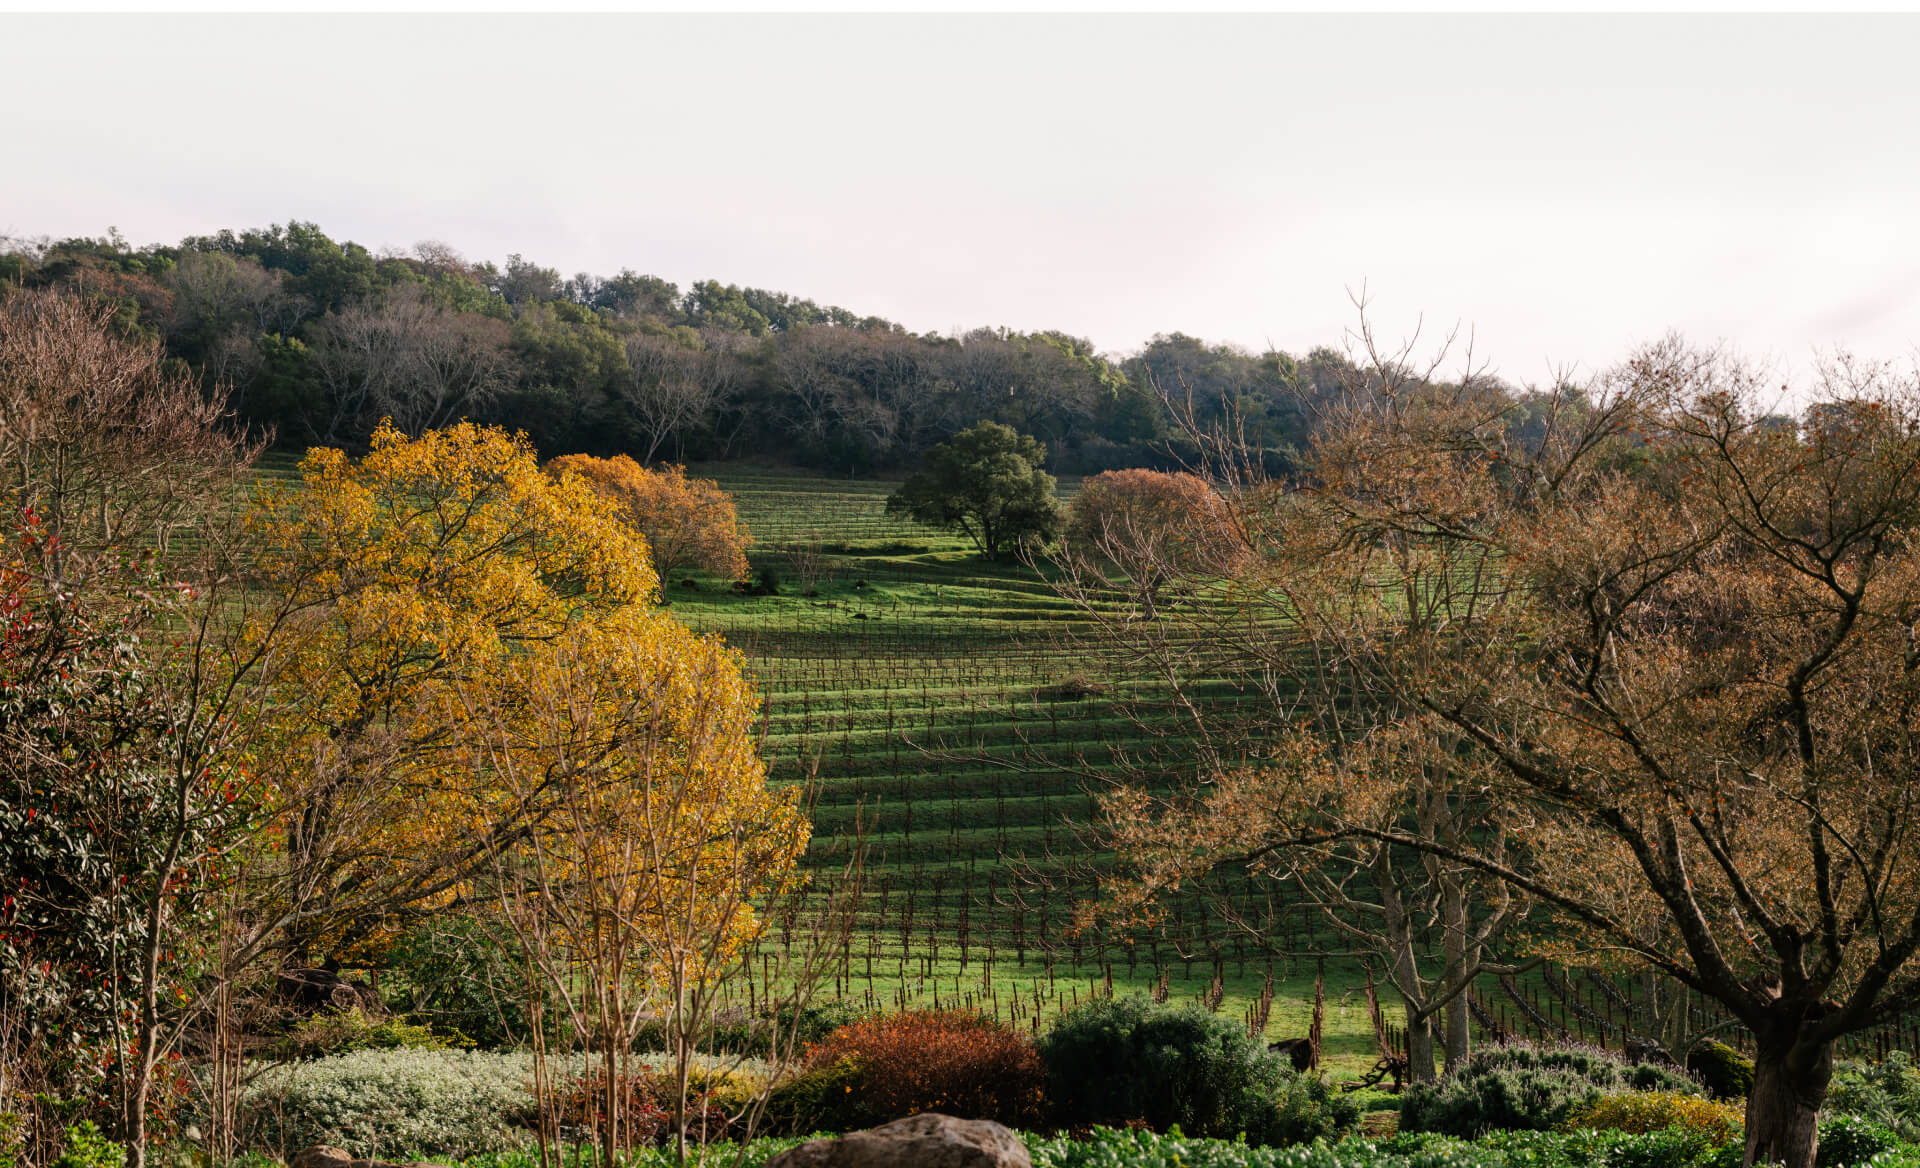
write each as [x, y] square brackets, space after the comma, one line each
[939, 697]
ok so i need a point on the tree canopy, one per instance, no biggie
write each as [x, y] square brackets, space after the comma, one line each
[987, 483]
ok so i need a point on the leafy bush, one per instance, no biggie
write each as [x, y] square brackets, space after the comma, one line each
[1309, 1108]
[1520, 1087]
[951, 1061]
[1887, 1093]
[1131, 1059]
[394, 1103]
[1652, 1111]
[752, 1034]
[345, 1031]
[87, 1148]
[575, 1109]
[1847, 1140]
[1724, 1071]
[456, 974]
[826, 1097]
[1674, 1147]
[13, 1138]
[1110, 1148]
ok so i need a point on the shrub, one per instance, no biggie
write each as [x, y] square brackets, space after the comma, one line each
[1846, 1140]
[13, 1138]
[1887, 1093]
[827, 1097]
[952, 1061]
[1674, 1147]
[394, 1103]
[1638, 1112]
[1131, 1059]
[1520, 1087]
[576, 1108]
[456, 974]
[1309, 1108]
[345, 1031]
[752, 1034]
[1724, 1071]
[87, 1148]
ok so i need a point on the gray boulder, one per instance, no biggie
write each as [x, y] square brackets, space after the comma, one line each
[927, 1140]
[327, 1156]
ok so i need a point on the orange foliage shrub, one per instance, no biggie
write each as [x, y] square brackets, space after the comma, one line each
[1154, 526]
[689, 523]
[951, 1061]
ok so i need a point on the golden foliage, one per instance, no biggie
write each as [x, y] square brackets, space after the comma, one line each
[689, 523]
[1639, 1112]
[466, 644]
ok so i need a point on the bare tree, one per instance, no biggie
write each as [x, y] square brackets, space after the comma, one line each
[409, 359]
[107, 444]
[669, 389]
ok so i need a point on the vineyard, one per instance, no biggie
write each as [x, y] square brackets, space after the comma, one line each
[954, 715]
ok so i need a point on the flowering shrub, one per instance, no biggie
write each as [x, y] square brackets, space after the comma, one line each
[1846, 1141]
[1886, 1092]
[1649, 1111]
[1521, 1087]
[951, 1061]
[393, 1104]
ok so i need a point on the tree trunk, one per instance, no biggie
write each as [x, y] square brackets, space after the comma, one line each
[1790, 1080]
[1459, 1041]
[1419, 1048]
[1458, 1030]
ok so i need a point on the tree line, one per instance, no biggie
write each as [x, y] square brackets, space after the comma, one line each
[320, 340]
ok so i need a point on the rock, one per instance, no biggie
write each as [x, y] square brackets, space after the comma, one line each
[1298, 1050]
[325, 1156]
[320, 1156]
[927, 1140]
[322, 989]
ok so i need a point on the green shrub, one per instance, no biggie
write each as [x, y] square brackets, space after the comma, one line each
[345, 1031]
[752, 1034]
[1527, 1088]
[1674, 1147]
[1724, 1071]
[13, 1138]
[458, 976]
[1887, 1093]
[822, 1098]
[1110, 1148]
[1846, 1140]
[87, 1148]
[1309, 1108]
[1131, 1059]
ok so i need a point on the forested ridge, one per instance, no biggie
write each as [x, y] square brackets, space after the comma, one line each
[321, 339]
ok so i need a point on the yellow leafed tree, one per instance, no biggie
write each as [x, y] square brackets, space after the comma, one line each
[446, 602]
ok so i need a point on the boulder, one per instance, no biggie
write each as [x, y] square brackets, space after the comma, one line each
[311, 990]
[927, 1140]
[320, 1156]
[1298, 1050]
[326, 1156]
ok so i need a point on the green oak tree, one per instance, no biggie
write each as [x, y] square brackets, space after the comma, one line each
[988, 483]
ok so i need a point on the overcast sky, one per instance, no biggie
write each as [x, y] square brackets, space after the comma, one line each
[1568, 186]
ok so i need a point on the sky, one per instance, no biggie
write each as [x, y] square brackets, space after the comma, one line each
[1562, 187]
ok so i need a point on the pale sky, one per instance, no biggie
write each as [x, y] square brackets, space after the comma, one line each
[1567, 186]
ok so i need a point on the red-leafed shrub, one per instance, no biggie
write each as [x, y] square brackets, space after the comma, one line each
[951, 1061]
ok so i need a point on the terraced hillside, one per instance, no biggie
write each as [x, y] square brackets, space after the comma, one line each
[954, 708]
